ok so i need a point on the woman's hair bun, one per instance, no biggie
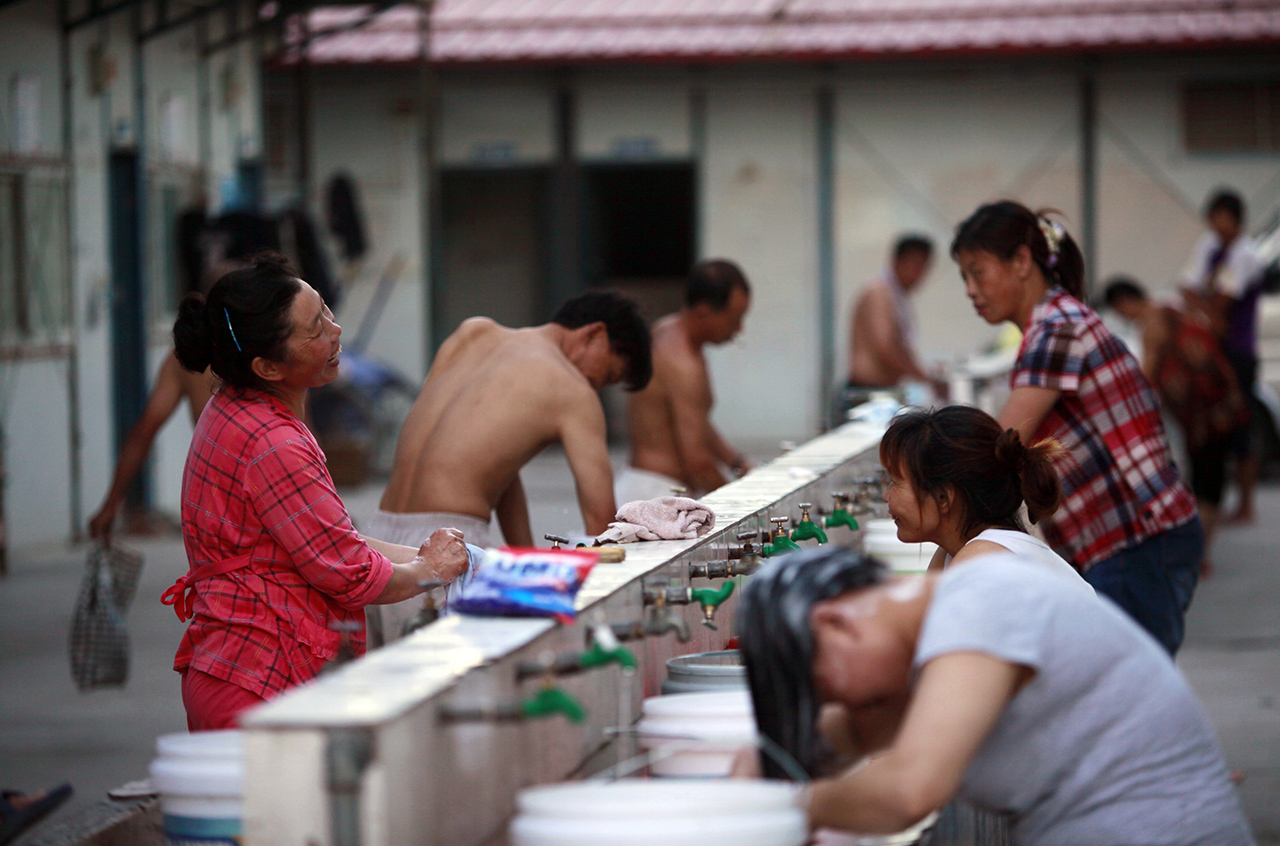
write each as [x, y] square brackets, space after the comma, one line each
[1010, 451]
[191, 340]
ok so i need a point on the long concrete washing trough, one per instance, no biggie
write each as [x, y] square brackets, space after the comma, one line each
[420, 743]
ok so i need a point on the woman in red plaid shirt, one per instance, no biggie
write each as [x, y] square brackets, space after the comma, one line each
[1127, 521]
[276, 567]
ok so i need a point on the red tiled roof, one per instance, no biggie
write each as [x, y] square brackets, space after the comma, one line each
[581, 31]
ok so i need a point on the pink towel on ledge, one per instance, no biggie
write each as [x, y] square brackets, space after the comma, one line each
[664, 518]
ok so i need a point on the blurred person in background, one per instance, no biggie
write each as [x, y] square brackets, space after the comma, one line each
[1222, 283]
[1198, 387]
[882, 338]
[673, 441]
[1127, 521]
[276, 567]
[988, 682]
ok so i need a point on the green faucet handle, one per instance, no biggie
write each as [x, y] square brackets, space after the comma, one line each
[553, 700]
[598, 656]
[713, 597]
[841, 518]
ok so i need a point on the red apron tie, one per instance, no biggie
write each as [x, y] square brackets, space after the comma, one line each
[182, 595]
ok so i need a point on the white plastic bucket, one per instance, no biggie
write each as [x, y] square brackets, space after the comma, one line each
[200, 779]
[705, 672]
[881, 541]
[672, 812]
[696, 735]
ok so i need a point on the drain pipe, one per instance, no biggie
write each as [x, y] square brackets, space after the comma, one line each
[348, 755]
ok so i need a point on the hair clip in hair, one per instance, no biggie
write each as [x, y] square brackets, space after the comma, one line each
[231, 330]
[1053, 235]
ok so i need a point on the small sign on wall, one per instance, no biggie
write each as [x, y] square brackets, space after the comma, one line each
[636, 148]
[493, 152]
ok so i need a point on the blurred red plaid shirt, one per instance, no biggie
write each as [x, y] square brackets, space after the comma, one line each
[256, 484]
[1119, 483]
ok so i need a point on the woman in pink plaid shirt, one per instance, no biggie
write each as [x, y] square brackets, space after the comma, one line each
[276, 567]
[1127, 521]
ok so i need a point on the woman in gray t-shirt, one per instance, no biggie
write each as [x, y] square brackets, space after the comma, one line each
[989, 682]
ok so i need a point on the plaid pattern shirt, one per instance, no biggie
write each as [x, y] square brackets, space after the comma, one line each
[256, 485]
[1119, 483]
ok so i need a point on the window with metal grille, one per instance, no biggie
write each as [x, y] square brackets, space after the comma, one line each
[1223, 117]
[35, 268]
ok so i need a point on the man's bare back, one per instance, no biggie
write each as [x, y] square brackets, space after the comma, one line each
[494, 398]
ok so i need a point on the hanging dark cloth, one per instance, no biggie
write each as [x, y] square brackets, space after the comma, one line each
[343, 211]
[245, 234]
[298, 230]
[189, 230]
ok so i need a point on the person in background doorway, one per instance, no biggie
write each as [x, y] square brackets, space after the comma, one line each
[493, 399]
[1223, 281]
[173, 384]
[882, 349]
[988, 681]
[1198, 387]
[1127, 520]
[276, 567]
[673, 441]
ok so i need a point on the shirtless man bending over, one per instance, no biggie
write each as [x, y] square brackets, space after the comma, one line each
[673, 443]
[494, 398]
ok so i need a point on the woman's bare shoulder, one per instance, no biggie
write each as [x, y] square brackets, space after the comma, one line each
[976, 549]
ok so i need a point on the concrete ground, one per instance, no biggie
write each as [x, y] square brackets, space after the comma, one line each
[49, 732]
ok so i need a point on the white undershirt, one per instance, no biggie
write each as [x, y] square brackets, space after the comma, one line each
[1033, 550]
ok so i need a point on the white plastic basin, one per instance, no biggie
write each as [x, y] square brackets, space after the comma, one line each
[881, 541]
[697, 734]
[672, 812]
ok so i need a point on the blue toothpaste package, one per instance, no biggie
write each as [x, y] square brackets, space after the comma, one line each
[515, 582]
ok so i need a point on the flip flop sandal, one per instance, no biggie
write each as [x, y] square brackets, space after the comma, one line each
[14, 821]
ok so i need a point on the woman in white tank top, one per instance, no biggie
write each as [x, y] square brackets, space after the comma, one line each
[958, 480]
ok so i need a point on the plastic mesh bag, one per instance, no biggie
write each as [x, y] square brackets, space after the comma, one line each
[99, 642]
[125, 568]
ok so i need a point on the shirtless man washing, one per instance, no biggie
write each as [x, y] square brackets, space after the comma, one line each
[494, 398]
[882, 348]
[673, 443]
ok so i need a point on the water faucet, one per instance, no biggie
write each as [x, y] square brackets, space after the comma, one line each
[568, 663]
[710, 600]
[779, 540]
[545, 703]
[346, 652]
[748, 553]
[806, 529]
[840, 513]
[556, 540]
[655, 624]
[429, 613]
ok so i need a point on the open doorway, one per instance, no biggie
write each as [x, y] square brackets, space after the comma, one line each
[640, 239]
[639, 228]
